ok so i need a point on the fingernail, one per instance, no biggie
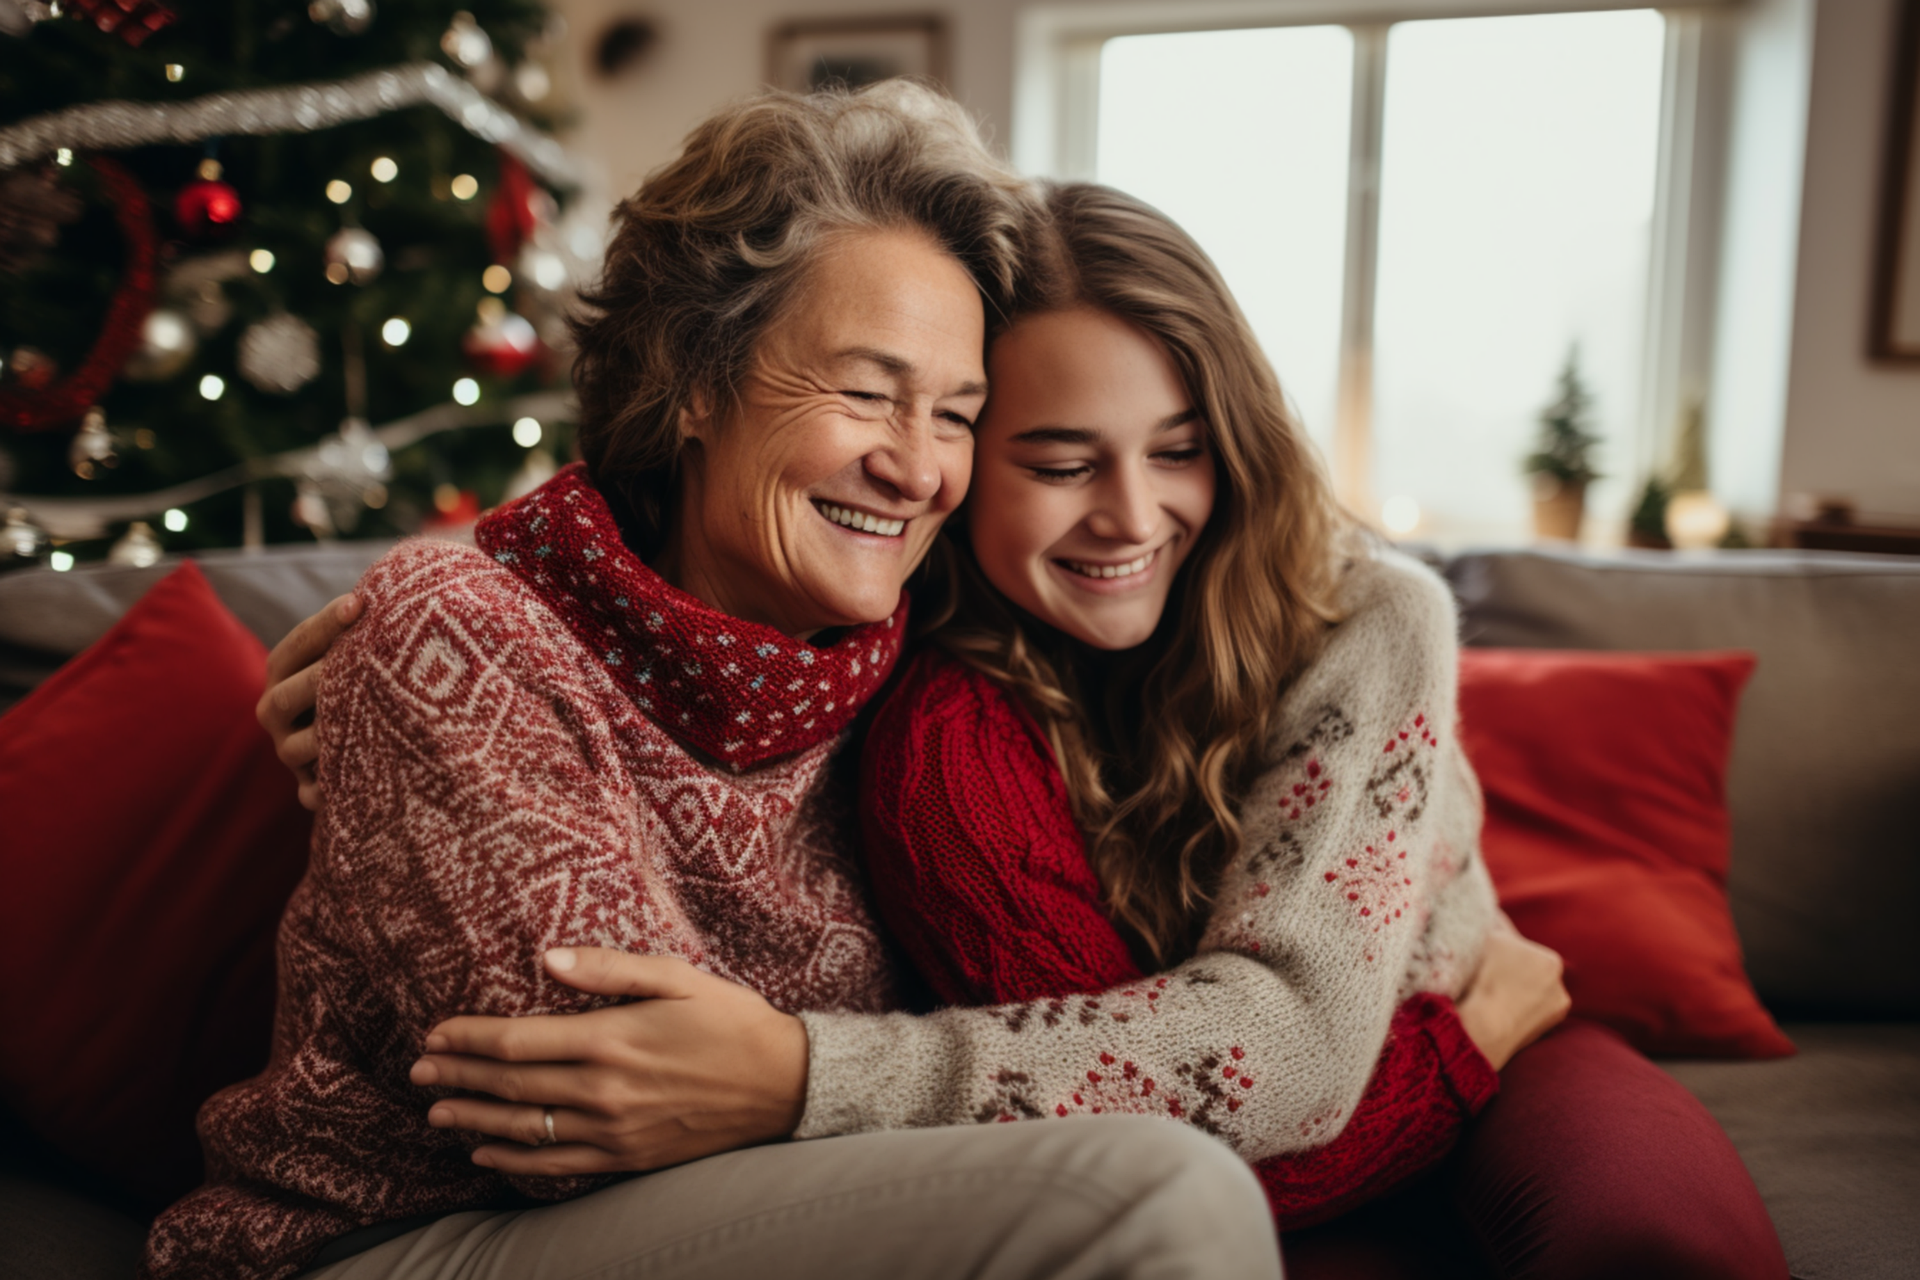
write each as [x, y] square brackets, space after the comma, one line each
[483, 1159]
[424, 1072]
[437, 1043]
[349, 606]
[561, 959]
[441, 1117]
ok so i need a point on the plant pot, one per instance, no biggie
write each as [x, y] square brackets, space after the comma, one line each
[1558, 509]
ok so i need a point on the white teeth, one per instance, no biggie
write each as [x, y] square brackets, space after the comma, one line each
[861, 520]
[1126, 570]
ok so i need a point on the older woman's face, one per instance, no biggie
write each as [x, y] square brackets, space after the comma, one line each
[808, 507]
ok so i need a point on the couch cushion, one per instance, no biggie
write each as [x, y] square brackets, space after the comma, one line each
[1826, 761]
[51, 1233]
[1832, 1138]
[1607, 833]
[47, 617]
[152, 839]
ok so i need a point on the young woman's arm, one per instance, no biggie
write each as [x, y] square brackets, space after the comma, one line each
[1366, 827]
[980, 872]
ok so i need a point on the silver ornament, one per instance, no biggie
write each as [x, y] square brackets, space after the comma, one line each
[167, 343]
[17, 17]
[354, 256]
[21, 538]
[465, 43]
[279, 355]
[346, 474]
[92, 447]
[342, 17]
[137, 546]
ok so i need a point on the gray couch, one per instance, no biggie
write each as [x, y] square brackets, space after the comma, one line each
[1824, 790]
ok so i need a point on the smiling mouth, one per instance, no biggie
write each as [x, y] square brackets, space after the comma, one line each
[1127, 570]
[860, 521]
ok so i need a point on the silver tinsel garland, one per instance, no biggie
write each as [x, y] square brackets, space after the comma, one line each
[302, 108]
[84, 518]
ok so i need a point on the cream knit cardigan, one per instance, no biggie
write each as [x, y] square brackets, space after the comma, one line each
[1358, 884]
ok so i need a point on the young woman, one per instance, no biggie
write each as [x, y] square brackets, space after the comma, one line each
[1173, 711]
[1137, 632]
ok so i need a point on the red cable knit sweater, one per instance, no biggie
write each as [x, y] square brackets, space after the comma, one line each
[980, 872]
[544, 745]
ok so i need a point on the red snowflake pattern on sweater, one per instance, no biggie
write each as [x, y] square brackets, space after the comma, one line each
[969, 835]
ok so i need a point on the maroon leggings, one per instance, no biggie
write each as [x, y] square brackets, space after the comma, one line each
[1591, 1162]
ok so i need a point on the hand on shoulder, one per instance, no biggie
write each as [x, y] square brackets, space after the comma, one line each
[294, 668]
[297, 663]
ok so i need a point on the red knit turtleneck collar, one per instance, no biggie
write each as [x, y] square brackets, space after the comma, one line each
[738, 691]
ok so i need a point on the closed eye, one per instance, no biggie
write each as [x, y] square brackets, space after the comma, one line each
[1060, 475]
[1180, 457]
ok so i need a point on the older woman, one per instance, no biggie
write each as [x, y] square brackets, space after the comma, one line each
[617, 725]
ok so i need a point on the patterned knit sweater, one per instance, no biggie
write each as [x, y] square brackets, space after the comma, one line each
[542, 745]
[980, 871]
[1359, 886]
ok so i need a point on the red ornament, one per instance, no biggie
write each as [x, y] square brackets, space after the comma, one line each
[206, 210]
[501, 345]
[132, 20]
[518, 207]
[36, 409]
[453, 509]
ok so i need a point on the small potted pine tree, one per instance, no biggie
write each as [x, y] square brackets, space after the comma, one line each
[1561, 464]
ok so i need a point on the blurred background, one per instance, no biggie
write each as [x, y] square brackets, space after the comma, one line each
[276, 271]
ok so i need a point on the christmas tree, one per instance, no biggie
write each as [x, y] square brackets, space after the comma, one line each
[1563, 451]
[274, 271]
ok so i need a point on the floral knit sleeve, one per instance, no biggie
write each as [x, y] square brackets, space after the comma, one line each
[1359, 887]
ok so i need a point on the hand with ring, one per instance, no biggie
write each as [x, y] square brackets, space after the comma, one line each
[694, 1066]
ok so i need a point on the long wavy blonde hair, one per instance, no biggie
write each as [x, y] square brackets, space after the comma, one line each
[1157, 743]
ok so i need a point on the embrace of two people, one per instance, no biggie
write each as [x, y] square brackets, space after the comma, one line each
[658, 830]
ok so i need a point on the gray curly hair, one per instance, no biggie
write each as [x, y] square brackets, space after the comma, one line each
[709, 250]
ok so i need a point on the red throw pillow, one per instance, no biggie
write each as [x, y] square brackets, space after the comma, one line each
[1608, 838]
[151, 842]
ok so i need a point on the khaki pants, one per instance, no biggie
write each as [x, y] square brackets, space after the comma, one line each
[1080, 1199]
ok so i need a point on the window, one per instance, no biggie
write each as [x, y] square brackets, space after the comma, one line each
[1418, 319]
[1171, 108]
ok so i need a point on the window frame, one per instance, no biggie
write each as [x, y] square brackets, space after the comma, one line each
[1055, 134]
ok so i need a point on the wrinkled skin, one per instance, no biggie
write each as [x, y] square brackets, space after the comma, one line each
[862, 397]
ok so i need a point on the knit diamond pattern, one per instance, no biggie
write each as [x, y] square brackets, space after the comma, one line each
[740, 692]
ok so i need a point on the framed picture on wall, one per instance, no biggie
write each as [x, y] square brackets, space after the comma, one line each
[809, 54]
[1896, 309]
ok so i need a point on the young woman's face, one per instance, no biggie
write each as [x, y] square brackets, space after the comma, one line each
[1092, 478]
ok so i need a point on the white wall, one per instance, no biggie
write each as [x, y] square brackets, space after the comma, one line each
[710, 51]
[1852, 425]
